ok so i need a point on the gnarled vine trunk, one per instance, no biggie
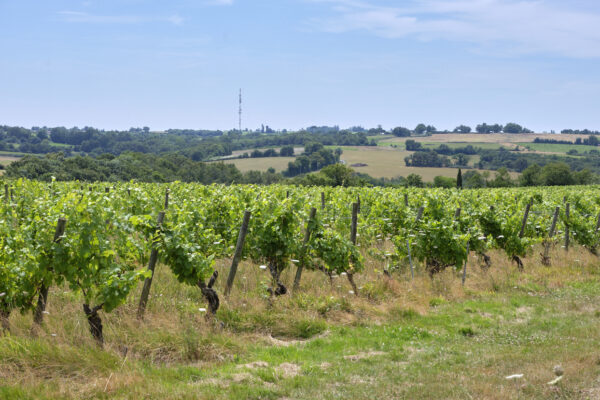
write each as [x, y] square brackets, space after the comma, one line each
[210, 294]
[435, 267]
[280, 289]
[4, 315]
[95, 323]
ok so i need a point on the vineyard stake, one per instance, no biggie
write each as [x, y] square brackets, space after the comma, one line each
[322, 200]
[311, 217]
[598, 223]
[525, 216]
[151, 266]
[238, 252]
[545, 256]
[567, 212]
[358, 202]
[353, 240]
[167, 199]
[464, 274]
[412, 269]
[6, 193]
[38, 316]
[406, 199]
[457, 214]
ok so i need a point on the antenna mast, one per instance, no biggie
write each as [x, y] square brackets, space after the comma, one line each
[240, 113]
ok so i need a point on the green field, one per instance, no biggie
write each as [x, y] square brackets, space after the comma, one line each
[557, 148]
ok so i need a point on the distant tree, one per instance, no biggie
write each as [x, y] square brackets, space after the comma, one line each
[496, 128]
[531, 176]
[430, 129]
[312, 147]
[462, 129]
[459, 183]
[340, 175]
[270, 153]
[444, 182]
[593, 140]
[501, 179]
[474, 180]
[146, 129]
[461, 159]
[413, 145]
[511, 127]
[286, 151]
[414, 180]
[420, 129]
[401, 132]
[556, 174]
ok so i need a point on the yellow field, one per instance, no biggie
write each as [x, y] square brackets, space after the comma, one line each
[5, 160]
[261, 164]
[385, 162]
[505, 139]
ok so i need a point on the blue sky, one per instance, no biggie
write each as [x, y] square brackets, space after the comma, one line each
[180, 63]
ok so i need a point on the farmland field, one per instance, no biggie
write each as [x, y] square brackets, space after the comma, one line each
[557, 148]
[389, 163]
[261, 163]
[449, 332]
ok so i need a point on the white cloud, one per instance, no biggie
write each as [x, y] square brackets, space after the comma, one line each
[84, 17]
[515, 26]
[220, 2]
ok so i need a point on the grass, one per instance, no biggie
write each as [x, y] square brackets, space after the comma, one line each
[399, 339]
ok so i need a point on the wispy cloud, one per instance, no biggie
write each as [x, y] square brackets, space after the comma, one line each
[220, 2]
[84, 17]
[515, 26]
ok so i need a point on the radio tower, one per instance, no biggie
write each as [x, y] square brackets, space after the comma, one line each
[240, 113]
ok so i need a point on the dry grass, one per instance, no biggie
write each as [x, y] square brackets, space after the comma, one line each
[386, 162]
[261, 163]
[176, 353]
[501, 138]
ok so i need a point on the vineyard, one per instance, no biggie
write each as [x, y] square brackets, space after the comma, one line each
[102, 240]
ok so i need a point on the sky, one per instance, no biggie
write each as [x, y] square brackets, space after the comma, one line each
[115, 64]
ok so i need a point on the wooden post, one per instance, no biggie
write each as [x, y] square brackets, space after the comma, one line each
[464, 274]
[406, 199]
[106, 189]
[524, 223]
[6, 193]
[457, 214]
[12, 194]
[412, 270]
[417, 219]
[419, 213]
[311, 217]
[358, 202]
[567, 212]
[237, 256]
[353, 229]
[598, 223]
[322, 200]
[287, 194]
[167, 199]
[545, 256]
[151, 266]
[38, 315]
